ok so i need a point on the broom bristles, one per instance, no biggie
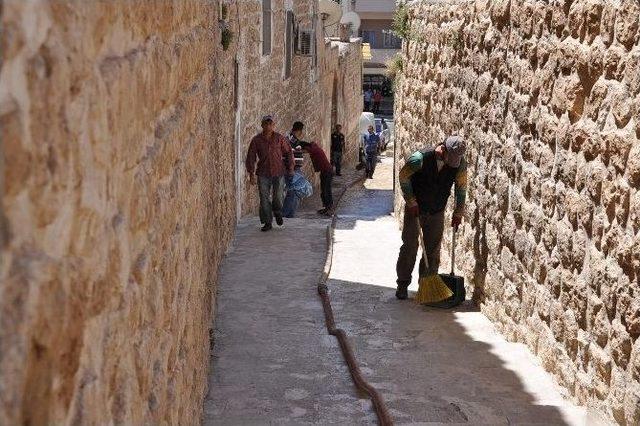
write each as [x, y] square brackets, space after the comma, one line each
[432, 289]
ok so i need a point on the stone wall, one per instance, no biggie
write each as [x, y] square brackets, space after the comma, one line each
[548, 96]
[120, 164]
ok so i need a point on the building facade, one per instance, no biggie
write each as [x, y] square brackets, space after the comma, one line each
[376, 30]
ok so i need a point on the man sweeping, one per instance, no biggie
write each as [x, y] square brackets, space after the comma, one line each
[426, 180]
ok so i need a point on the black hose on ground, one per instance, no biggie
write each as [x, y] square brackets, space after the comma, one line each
[384, 418]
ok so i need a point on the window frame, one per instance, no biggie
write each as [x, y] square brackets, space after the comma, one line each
[266, 12]
[390, 40]
[289, 23]
[371, 37]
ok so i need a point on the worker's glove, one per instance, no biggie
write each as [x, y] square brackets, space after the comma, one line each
[456, 221]
[412, 209]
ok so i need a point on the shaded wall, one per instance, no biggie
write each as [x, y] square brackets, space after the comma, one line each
[548, 96]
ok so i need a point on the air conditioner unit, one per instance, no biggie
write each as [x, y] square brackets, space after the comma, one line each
[304, 44]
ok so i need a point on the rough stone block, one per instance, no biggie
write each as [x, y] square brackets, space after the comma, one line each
[571, 335]
[602, 366]
[616, 394]
[620, 344]
[627, 22]
[632, 403]
[632, 319]
[618, 146]
[555, 111]
[596, 102]
[634, 364]
[633, 165]
[632, 71]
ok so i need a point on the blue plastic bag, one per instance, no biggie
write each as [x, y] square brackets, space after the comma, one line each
[297, 189]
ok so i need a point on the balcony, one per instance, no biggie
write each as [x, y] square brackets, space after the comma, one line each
[375, 6]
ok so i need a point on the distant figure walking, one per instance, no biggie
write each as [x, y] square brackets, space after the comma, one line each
[368, 97]
[269, 148]
[377, 98]
[337, 147]
[371, 142]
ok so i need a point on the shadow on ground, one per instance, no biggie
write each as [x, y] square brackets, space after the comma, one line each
[444, 366]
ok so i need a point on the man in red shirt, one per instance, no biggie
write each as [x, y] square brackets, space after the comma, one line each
[321, 164]
[275, 160]
[377, 98]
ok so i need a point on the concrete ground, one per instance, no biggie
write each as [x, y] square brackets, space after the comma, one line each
[432, 366]
[274, 363]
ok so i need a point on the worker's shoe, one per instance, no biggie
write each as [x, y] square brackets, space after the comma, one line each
[322, 211]
[279, 220]
[266, 227]
[401, 292]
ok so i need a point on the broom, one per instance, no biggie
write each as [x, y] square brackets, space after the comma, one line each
[431, 287]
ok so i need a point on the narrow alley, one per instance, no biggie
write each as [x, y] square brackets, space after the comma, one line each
[273, 361]
[141, 142]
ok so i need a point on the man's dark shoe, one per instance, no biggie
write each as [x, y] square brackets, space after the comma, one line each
[279, 220]
[322, 211]
[401, 292]
[266, 227]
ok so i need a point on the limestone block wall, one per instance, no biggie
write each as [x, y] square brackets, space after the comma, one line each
[117, 205]
[547, 94]
[123, 131]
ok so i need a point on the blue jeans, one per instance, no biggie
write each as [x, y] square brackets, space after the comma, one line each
[336, 158]
[271, 190]
[371, 160]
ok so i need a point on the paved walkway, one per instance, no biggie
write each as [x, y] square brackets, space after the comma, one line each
[432, 366]
[273, 362]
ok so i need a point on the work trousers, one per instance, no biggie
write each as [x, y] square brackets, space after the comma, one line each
[271, 190]
[336, 158]
[371, 159]
[432, 229]
[326, 193]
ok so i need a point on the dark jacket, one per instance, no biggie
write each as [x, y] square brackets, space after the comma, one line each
[337, 142]
[432, 188]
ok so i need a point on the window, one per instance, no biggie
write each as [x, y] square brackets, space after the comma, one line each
[369, 37]
[288, 47]
[390, 40]
[314, 46]
[266, 27]
[236, 83]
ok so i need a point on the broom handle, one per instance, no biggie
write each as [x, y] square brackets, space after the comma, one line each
[453, 249]
[421, 237]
